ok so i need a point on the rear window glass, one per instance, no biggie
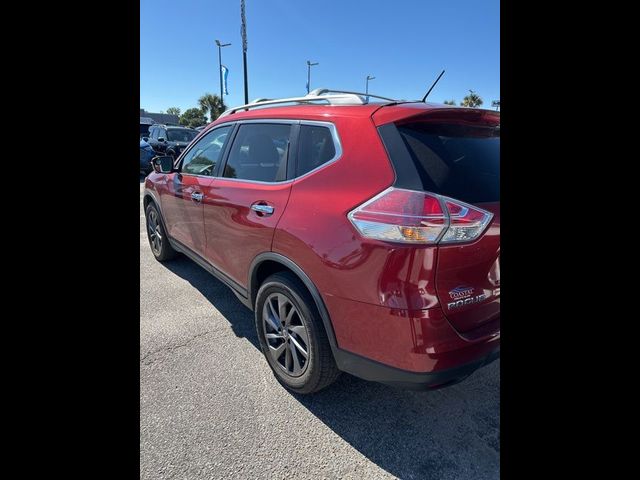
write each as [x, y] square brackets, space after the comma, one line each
[180, 135]
[458, 161]
[259, 152]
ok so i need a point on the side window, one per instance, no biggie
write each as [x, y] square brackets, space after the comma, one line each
[316, 148]
[153, 133]
[162, 133]
[203, 157]
[259, 152]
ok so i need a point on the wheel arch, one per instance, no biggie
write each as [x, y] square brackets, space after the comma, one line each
[150, 197]
[268, 263]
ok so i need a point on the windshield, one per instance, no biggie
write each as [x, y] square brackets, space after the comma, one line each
[180, 135]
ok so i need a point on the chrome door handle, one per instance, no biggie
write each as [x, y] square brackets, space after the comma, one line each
[197, 196]
[262, 209]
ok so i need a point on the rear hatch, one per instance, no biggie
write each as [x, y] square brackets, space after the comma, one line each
[455, 153]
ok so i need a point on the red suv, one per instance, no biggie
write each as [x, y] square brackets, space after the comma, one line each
[365, 236]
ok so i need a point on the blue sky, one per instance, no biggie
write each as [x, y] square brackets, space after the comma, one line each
[403, 43]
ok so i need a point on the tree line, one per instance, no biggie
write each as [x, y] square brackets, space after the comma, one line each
[196, 117]
[473, 100]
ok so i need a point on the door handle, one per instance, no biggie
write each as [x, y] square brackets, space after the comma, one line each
[197, 196]
[262, 209]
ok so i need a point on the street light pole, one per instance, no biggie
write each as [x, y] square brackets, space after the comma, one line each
[243, 33]
[309, 65]
[220, 45]
[369, 77]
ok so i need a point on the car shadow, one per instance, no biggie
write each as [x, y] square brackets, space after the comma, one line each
[448, 433]
[219, 295]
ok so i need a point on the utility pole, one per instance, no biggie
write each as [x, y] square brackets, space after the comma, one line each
[309, 65]
[220, 45]
[243, 32]
[369, 77]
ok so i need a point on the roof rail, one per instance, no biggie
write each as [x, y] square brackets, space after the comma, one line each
[322, 91]
[318, 95]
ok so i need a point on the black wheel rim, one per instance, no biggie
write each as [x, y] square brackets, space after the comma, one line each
[154, 231]
[285, 334]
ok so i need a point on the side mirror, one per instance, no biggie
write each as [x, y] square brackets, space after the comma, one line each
[163, 164]
[161, 139]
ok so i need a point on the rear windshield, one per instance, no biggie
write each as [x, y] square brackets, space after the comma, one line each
[458, 161]
[179, 135]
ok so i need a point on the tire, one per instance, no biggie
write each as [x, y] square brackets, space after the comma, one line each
[156, 233]
[303, 331]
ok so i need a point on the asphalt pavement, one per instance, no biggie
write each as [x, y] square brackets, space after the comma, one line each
[211, 408]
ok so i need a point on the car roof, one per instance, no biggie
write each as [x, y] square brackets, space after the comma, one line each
[381, 112]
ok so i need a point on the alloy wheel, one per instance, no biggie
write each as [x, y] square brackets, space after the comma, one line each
[285, 334]
[155, 232]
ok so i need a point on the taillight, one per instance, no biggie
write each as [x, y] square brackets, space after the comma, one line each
[408, 216]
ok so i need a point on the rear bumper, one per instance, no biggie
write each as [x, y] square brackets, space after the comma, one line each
[407, 348]
[371, 370]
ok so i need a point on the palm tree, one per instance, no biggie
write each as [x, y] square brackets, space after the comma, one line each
[449, 102]
[496, 104]
[472, 100]
[211, 104]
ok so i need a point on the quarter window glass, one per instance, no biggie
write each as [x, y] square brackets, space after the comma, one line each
[316, 148]
[205, 155]
[259, 153]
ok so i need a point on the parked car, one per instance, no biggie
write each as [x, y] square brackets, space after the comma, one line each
[364, 236]
[145, 124]
[199, 129]
[170, 140]
[146, 154]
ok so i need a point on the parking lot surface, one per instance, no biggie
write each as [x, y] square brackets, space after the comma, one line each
[211, 408]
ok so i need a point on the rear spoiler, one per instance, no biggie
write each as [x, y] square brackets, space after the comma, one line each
[412, 112]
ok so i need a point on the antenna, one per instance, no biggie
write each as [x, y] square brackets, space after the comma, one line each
[424, 99]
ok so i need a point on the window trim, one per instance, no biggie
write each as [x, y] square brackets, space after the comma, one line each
[292, 154]
[293, 141]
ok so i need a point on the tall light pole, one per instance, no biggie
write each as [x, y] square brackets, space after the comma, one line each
[369, 77]
[309, 65]
[220, 45]
[243, 32]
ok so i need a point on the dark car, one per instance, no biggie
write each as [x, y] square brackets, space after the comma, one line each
[146, 154]
[170, 140]
[145, 124]
[364, 236]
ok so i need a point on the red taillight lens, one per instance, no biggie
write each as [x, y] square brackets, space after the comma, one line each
[398, 215]
[408, 216]
[466, 222]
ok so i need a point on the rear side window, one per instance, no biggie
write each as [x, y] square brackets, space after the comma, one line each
[316, 147]
[458, 161]
[259, 152]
